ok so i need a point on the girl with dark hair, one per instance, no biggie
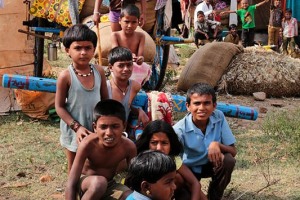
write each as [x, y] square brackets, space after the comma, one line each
[159, 135]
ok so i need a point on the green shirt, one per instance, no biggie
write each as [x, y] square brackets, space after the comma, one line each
[247, 22]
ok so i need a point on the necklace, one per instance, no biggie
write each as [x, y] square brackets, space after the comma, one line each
[123, 91]
[83, 75]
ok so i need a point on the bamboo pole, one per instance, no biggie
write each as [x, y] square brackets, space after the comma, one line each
[99, 46]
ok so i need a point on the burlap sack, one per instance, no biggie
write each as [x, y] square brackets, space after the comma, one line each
[105, 38]
[150, 16]
[88, 9]
[207, 64]
[35, 104]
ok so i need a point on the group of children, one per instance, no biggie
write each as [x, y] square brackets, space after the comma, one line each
[282, 27]
[94, 114]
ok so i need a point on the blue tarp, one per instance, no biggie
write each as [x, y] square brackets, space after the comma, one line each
[295, 6]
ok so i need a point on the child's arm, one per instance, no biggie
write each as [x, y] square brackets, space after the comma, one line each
[142, 116]
[261, 3]
[227, 12]
[62, 87]
[114, 40]
[76, 170]
[97, 14]
[194, 185]
[140, 55]
[103, 88]
[132, 152]
[216, 150]
[143, 11]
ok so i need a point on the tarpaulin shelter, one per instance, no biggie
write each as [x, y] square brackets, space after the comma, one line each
[16, 49]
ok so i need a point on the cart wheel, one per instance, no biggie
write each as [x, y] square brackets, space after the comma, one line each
[160, 62]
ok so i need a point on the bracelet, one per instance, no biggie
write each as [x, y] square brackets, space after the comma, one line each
[75, 125]
[98, 13]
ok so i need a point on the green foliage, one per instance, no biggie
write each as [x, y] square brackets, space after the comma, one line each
[284, 128]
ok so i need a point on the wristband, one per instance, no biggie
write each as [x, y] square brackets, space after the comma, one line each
[98, 13]
[75, 125]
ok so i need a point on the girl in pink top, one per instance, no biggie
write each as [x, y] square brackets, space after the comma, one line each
[290, 31]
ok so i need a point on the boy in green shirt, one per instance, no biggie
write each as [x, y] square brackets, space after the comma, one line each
[246, 14]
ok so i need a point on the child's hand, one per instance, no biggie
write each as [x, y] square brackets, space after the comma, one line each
[81, 133]
[140, 60]
[134, 58]
[143, 118]
[207, 37]
[142, 20]
[96, 18]
[214, 154]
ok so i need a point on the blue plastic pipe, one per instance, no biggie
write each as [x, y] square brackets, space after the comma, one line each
[141, 100]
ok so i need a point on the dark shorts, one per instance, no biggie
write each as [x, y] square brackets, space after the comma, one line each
[114, 190]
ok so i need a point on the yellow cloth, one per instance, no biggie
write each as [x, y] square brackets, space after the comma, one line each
[54, 11]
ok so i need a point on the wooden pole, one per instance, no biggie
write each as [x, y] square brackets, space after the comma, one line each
[99, 46]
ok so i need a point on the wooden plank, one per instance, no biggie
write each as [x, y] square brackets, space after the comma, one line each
[141, 100]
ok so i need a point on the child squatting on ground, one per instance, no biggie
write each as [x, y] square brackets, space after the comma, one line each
[208, 142]
[135, 41]
[232, 35]
[246, 14]
[80, 80]
[203, 29]
[99, 155]
[151, 175]
[159, 135]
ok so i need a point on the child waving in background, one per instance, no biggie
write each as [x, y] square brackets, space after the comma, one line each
[151, 174]
[99, 155]
[246, 14]
[135, 41]
[159, 135]
[74, 85]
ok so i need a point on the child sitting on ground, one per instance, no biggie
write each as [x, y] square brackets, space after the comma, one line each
[232, 36]
[135, 41]
[159, 135]
[290, 31]
[120, 86]
[203, 30]
[99, 155]
[151, 175]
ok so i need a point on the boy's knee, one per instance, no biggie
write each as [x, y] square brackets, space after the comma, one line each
[229, 161]
[98, 184]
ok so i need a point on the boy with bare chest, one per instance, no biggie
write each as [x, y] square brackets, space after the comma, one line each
[135, 41]
[99, 155]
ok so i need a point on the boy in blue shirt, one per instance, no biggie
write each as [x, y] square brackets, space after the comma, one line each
[208, 141]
